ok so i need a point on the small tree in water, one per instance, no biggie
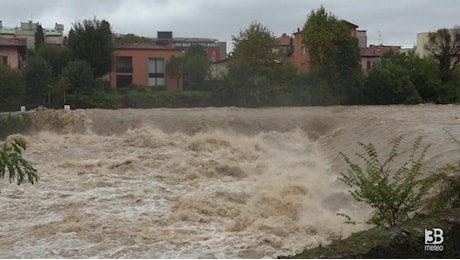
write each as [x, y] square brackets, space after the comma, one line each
[393, 195]
[11, 161]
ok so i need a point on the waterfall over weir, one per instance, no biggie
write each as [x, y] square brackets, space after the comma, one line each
[204, 182]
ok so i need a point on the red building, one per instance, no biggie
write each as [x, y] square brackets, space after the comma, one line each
[144, 64]
[369, 55]
[300, 56]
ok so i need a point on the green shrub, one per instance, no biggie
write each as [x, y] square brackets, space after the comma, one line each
[11, 161]
[14, 124]
[393, 194]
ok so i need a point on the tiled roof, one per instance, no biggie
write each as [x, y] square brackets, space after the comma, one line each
[378, 50]
[367, 52]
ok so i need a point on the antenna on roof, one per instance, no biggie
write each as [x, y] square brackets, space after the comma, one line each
[380, 37]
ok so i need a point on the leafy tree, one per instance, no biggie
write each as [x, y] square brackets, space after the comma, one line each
[12, 88]
[174, 68]
[444, 47]
[57, 57]
[393, 194]
[39, 36]
[391, 81]
[256, 76]
[78, 77]
[424, 74]
[91, 40]
[196, 66]
[253, 54]
[37, 75]
[334, 55]
[11, 161]
[59, 90]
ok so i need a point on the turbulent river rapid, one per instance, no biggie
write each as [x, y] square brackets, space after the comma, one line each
[203, 182]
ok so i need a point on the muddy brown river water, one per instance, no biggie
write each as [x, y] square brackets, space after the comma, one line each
[203, 182]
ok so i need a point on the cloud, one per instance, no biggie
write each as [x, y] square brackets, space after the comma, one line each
[397, 21]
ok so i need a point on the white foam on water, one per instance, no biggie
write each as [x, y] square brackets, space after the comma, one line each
[189, 183]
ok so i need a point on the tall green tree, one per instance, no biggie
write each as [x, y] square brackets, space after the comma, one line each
[39, 36]
[253, 54]
[38, 75]
[91, 40]
[391, 81]
[175, 68]
[334, 55]
[196, 66]
[256, 76]
[12, 89]
[57, 57]
[79, 76]
[444, 46]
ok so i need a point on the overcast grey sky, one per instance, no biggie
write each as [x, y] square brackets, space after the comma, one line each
[398, 22]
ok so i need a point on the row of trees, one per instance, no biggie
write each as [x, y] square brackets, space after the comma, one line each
[54, 75]
[257, 75]
[335, 75]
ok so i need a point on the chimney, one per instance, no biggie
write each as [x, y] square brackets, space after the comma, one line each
[1, 24]
[298, 29]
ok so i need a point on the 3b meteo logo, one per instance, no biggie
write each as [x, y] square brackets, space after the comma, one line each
[434, 239]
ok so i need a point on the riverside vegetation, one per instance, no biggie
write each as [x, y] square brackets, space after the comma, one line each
[404, 203]
[257, 76]
[71, 75]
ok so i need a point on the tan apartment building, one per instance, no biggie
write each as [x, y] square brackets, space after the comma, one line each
[422, 41]
[26, 31]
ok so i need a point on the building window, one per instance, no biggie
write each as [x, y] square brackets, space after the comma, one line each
[124, 64]
[368, 65]
[304, 50]
[156, 73]
[4, 60]
[124, 81]
[213, 57]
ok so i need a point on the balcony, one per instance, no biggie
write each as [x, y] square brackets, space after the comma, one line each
[123, 69]
[124, 64]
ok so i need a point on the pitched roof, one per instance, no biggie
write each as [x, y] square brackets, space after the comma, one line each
[350, 24]
[378, 50]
